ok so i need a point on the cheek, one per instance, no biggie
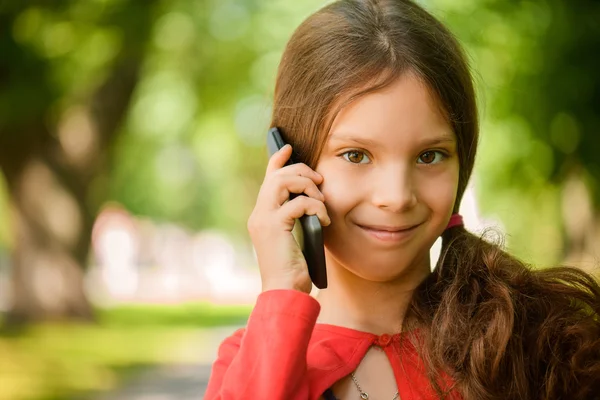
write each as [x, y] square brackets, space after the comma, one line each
[439, 192]
[340, 191]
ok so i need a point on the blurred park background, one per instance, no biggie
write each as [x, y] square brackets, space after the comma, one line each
[132, 149]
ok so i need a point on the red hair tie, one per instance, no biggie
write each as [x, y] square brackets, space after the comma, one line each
[455, 220]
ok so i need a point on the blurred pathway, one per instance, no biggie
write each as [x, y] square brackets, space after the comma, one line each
[175, 382]
[182, 382]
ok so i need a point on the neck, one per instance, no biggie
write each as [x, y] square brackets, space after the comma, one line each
[376, 307]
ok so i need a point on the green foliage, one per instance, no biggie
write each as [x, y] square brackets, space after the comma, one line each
[203, 315]
[536, 67]
[63, 50]
[191, 150]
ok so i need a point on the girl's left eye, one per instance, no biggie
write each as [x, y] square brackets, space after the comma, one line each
[431, 157]
[356, 157]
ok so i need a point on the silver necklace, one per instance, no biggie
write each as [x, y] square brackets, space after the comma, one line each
[364, 395]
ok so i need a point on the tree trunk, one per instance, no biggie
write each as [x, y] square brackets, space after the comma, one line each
[582, 224]
[51, 173]
[52, 231]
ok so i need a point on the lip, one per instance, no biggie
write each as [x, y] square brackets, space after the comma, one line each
[386, 233]
[388, 228]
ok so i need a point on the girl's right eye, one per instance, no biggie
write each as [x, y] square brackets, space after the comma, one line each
[356, 157]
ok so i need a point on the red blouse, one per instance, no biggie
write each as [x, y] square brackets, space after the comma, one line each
[284, 354]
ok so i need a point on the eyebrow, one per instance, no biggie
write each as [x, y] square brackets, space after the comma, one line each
[433, 141]
[358, 140]
[440, 140]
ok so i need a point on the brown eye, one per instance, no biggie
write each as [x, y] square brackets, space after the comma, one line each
[356, 157]
[429, 157]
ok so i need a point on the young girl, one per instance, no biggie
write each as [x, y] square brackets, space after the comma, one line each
[375, 97]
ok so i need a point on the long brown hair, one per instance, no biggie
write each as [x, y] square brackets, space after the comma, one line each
[498, 328]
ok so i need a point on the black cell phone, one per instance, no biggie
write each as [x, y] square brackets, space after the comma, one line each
[312, 231]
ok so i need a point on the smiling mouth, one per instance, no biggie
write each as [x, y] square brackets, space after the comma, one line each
[388, 228]
[389, 233]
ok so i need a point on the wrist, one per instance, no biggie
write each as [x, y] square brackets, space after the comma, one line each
[300, 282]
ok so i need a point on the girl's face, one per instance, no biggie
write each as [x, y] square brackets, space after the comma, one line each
[390, 169]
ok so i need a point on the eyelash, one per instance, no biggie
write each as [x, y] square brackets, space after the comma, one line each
[355, 151]
[444, 155]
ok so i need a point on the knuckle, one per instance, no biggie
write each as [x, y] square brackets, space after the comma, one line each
[312, 206]
[305, 200]
[302, 168]
[298, 204]
[300, 165]
[275, 183]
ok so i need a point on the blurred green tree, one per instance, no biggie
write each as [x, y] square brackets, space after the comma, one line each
[161, 107]
[67, 72]
[537, 63]
[193, 150]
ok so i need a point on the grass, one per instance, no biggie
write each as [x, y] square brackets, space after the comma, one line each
[192, 315]
[61, 361]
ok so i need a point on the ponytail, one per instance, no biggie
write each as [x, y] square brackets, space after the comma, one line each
[502, 330]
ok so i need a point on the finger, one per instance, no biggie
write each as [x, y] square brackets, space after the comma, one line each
[279, 158]
[295, 184]
[302, 170]
[304, 205]
[278, 188]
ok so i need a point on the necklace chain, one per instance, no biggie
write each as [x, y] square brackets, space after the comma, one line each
[364, 395]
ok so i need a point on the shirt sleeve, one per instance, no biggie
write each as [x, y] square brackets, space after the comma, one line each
[267, 360]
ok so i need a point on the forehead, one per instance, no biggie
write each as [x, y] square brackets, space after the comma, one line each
[404, 110]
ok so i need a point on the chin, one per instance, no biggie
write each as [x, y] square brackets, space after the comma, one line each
[379, 276]
[383, 271]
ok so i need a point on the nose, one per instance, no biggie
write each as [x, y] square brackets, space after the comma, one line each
[393, 189]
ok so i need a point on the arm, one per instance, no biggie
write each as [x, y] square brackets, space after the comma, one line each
[268, 359]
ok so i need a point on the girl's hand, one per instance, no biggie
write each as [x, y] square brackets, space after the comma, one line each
[280, 259]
